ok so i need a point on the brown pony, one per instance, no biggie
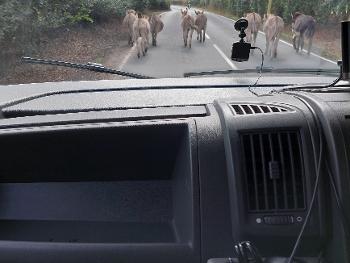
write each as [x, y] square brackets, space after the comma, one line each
[188, 26]
[254, 23]
[302, 26]
[273, 27]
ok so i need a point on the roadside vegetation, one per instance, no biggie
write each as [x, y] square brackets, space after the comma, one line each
[18, 17]
[62, 29]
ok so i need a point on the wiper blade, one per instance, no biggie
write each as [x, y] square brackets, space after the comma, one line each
[267, 70]
[89, 66]
[217, 72]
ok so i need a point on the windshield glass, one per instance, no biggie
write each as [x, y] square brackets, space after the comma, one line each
[163, 38]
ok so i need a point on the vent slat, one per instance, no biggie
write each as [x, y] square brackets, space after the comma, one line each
[285, 196]
[263, 160]
[256, 109]
[302, 203]
[247, 109]
[292, 170]
[252, 109]
[273, 181]
[274, 171]
[265, 109]
[241, 109]
[234, 108]
[275, 109]
[257, 206]
[260, 109]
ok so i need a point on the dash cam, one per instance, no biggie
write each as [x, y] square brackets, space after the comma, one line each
[241, 49]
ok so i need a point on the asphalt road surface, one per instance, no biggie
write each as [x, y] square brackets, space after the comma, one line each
[171, 59]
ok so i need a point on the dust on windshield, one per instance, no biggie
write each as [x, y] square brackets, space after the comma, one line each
[163, 38]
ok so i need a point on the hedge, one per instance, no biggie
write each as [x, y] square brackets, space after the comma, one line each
[30, 16]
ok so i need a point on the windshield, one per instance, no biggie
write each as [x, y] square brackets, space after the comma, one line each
[163, 38]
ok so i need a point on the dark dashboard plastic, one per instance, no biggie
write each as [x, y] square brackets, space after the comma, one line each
[156, 175]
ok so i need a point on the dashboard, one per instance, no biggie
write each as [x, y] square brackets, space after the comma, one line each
[172, 171]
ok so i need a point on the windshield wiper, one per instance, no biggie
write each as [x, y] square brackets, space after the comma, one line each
[89, 66]
[266, 70]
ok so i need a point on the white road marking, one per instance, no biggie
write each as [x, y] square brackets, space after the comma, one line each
[285, 42]
[206, 35]
[228, 61]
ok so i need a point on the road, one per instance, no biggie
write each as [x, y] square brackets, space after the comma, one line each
[171, 59]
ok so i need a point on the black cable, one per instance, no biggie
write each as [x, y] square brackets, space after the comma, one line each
[309, 88]
[260, 74]
[261, 65]
[315, 190]
[340, 206]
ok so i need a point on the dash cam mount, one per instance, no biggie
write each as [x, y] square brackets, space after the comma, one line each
[241, 25]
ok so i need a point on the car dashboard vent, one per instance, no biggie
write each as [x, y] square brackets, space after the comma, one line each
[252, 109]
[274, 171]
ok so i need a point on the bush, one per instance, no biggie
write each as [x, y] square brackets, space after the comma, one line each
[107, 8]
[23, 18]
[159, 4]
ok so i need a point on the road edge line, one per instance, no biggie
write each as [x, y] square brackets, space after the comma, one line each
[222, 54]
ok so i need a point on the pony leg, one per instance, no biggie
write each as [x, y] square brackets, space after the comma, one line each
[301, 43]
[147, 42]
[298, 43]
[275, 45]
[204, 32]
[254, 38]
[190, 38]
[267, 46]
[309, 47]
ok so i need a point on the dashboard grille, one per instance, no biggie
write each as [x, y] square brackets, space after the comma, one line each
[249, 109]
[274, 171]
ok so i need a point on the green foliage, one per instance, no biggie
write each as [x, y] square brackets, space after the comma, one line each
[20, 18]
[324, 11]
[139, 5]
[159, 4]
[109, 8]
